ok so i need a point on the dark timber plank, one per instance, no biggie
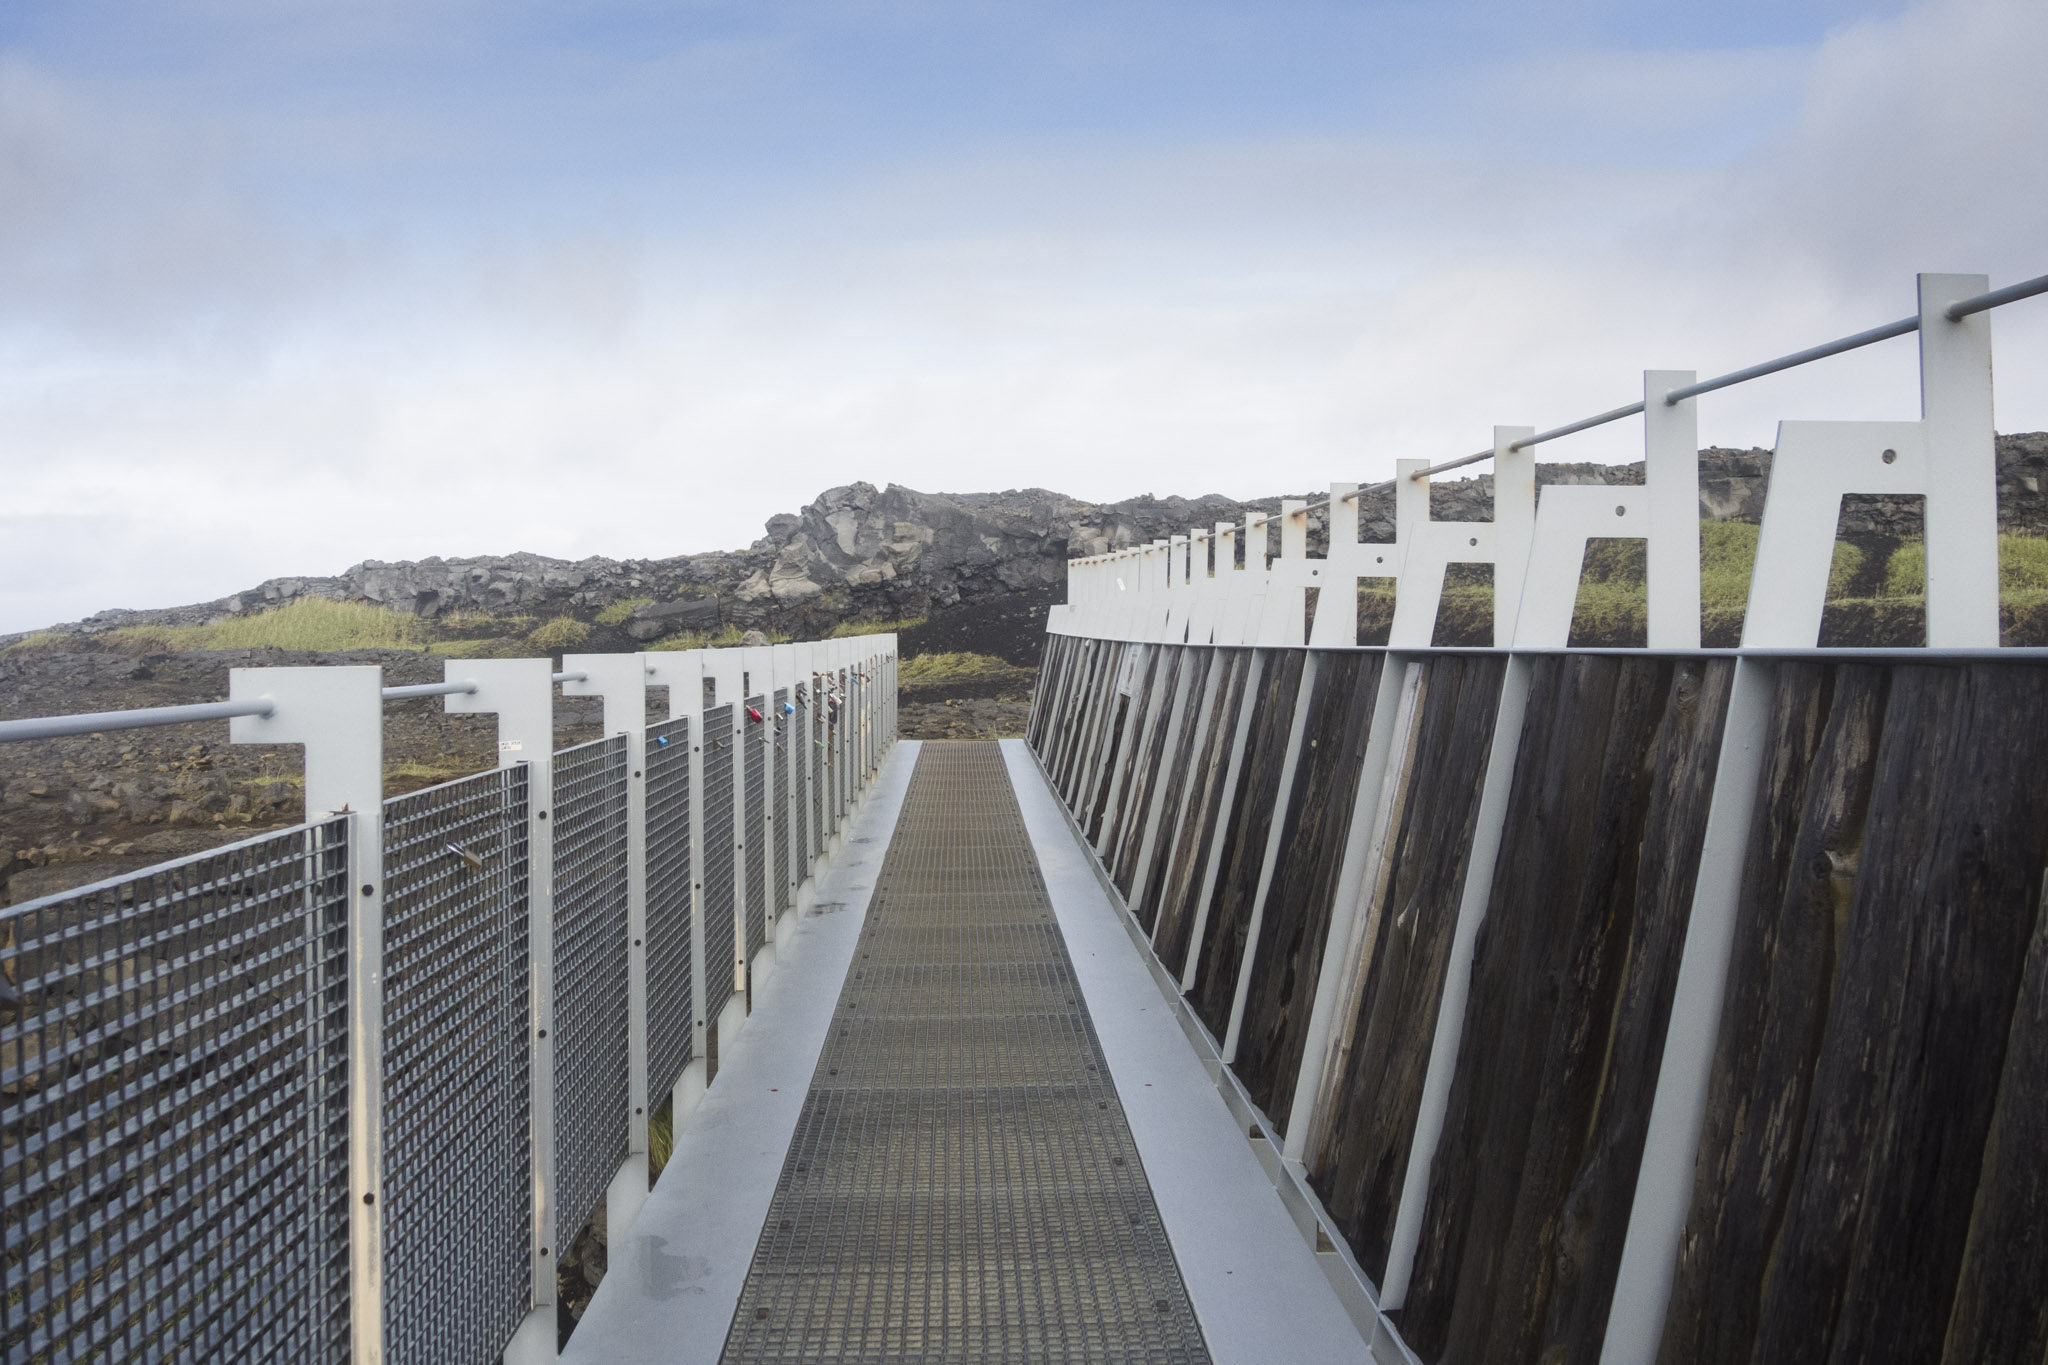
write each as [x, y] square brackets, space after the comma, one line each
[1289, 953]
[1175, 932]
[1237, 880]
[1360, 1175]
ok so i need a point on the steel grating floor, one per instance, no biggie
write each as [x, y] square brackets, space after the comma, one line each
[962, 1184]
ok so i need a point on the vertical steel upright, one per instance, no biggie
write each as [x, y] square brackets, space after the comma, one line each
[621, 681]
[338, 715]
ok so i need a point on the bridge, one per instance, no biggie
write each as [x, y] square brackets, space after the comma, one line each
[1277, 996]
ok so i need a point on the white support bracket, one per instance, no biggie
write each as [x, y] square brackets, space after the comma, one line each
[1664, 512]
[621, 680]
[1428, 547]
[682, 673]
[1948, 457]
[521, 693]
[338, 715]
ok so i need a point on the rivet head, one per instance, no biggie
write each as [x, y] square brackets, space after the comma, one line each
[369, 1199]
[1620, 510]
[1473, 541]
[1889, 456]
[369, 890]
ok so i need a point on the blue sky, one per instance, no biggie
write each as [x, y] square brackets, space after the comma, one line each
[284, 286]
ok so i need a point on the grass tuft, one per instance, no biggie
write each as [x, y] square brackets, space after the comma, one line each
[927, 670]
[850, 628]
[314, 624]
[617, 612]
[564, 632]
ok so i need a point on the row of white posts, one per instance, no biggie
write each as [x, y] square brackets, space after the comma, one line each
[337, 715]
[1220, 586]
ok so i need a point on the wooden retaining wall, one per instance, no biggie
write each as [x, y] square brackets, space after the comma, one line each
[1871, 1181]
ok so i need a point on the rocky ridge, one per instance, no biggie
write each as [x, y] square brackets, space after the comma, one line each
[859, 553]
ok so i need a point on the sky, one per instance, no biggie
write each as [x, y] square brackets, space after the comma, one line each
[289, 285]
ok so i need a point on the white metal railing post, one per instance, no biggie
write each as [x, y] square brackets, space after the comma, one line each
[338, 715]
[621, 681]
[682, 673]
[1428, 546]
[1663, 512]
[785, 664]
[1962, 483]
[725, 672]
[520, 692]
[1948, 457]
[758, 665]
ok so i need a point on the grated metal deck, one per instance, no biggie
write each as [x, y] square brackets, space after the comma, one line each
[962, 1184]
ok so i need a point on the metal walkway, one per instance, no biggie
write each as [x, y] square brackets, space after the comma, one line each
[962, 1184]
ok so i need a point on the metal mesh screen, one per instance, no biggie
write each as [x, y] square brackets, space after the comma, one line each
[784, 737]
[457, 1173]
[754, 842]
[669, 1035]
[720, 935]
[817, 777]
[174, 1102]
[800, 738]
[589, 820]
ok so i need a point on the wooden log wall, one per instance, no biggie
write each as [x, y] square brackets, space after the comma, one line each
[1532, 1180]
[1872, 1173]
[1201, 814]
[1378, 1066]
[1177, 783]
[1289, 954]
[1254, 808]
[1870, 1183]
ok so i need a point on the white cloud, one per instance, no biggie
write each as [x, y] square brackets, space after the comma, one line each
[197, 396]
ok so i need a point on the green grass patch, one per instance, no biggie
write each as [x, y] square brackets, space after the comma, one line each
[617, 612]
[41, 642]
[850, 628]
[314, 624]
[564, 632]
[931, 670]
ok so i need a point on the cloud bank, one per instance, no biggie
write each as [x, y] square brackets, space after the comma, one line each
[223, 365]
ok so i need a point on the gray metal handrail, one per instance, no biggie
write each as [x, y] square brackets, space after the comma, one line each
[1955, 312]
[91, 722]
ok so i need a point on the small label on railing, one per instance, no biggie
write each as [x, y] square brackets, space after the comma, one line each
[510, 746]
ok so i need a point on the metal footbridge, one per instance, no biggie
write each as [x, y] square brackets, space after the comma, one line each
[1277, 996]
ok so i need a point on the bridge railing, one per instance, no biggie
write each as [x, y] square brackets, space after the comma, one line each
[1622, 1004]
[347, 1091]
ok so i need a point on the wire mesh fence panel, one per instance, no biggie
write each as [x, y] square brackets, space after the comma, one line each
[589, 822]
[720, 935]
[800, 736]
[779, 883]
[669, 1016]
[457, 1183]
[821, 768]
[174, 1074]
[754, 839]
